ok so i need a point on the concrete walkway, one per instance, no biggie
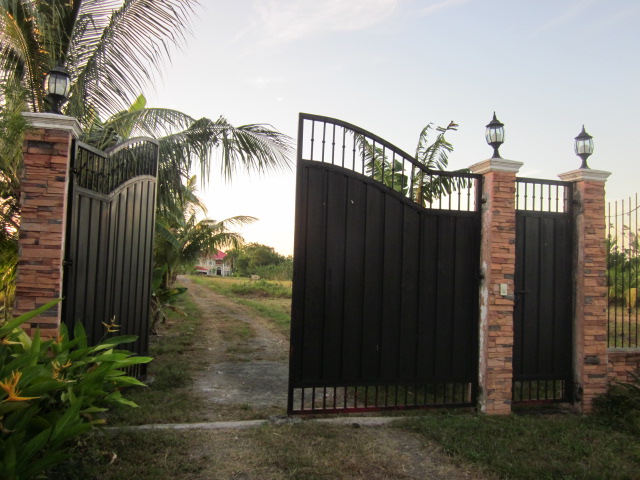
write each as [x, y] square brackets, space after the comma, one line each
[244, 424]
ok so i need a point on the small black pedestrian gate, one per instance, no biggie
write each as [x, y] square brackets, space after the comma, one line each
[543, 317]
[386, 276]
[109, 243]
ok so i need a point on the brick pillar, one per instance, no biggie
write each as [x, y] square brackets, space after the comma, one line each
[497, 261]
[43, 198]
[590, 293]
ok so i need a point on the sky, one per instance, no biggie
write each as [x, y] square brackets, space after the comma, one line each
[546, 67]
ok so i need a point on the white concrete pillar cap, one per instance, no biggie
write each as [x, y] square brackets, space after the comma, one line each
[53, 121]
[496, 165]
[583, 174]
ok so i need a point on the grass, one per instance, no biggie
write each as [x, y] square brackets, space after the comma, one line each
[303, 451]
[166, 399]
[535, 446]
[269, 299]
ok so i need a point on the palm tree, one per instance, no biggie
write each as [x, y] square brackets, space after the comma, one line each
[421, 186]
[110, 47]
[186, 143]
[181, 238]
[12, 125]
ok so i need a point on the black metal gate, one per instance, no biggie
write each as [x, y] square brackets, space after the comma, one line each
[543, 287]
[109, 245]
[386, 272]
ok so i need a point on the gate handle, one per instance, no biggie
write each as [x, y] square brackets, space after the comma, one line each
[521, 291]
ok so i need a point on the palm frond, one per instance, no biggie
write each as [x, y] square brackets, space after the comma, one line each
[114, 59]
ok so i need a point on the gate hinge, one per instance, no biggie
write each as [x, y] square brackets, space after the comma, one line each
[67, 262]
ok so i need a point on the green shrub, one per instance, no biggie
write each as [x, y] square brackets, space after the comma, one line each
[620, 406]
[52, 390]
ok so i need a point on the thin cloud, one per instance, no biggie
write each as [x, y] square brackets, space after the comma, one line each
[574, 10]
[435, 8]
[287, 20]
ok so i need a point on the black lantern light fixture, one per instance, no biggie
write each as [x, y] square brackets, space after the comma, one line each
[584, 147]
[495, 135]
[57, 85]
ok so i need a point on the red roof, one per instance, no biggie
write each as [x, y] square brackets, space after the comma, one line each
[220, 255]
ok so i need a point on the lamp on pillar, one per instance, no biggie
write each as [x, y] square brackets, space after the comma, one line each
[495, 135]
[584, 147]
[57, 84]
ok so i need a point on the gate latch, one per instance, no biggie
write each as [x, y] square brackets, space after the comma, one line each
[67, 262]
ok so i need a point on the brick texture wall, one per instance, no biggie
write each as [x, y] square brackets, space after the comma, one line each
[43, 191]
[497, 260]
[590, 345]
[621, 363]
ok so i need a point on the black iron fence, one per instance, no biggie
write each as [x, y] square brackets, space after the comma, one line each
[332, 141]
[542, 358]
[103, 172]
[536, 195]
[386, 274]
[109, 244]
[623, 272]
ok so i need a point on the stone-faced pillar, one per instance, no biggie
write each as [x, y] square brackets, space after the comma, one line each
[497, 261]
[590, 293]
[43, 198]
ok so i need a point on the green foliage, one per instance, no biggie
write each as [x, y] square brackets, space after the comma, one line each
[417, 184]
[623, 270]
[12, 128]
[51, 392]
[181, 238]
[163, 299]
[112, 48]
[261, 260]
[620, 406]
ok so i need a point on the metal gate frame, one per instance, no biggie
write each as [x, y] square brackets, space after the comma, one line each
[385, 301]
[543, 311]
[109, 239]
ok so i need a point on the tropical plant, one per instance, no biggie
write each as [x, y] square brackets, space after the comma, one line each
[181, 239]
[623, 270]
[422, 186]
[186, 143]
[425, 188]
[12, 126]
[163, 299]
[51, 391]
[111, 48]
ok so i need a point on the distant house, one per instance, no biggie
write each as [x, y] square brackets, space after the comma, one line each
[215, 265]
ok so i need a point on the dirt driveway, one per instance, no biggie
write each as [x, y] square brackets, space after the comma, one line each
[243, 359]
[242, 373]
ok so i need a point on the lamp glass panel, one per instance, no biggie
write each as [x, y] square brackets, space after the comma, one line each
[57, 84]
[584, 146]
[494, 135]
